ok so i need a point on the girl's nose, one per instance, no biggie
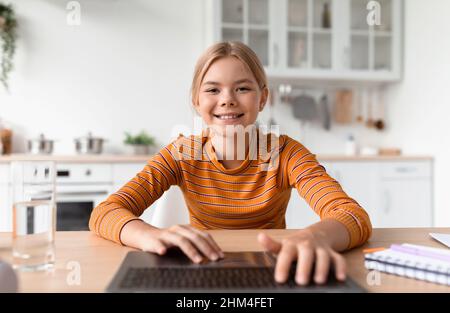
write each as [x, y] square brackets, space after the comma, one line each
[230, 103]
[227, 100]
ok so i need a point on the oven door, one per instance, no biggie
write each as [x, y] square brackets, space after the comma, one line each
[74, 204]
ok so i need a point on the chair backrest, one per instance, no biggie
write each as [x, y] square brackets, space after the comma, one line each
[168, 210]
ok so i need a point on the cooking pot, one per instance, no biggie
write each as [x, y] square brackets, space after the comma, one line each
[40, 145]
[89, 144]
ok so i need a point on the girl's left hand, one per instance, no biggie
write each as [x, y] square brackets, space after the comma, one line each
[307, 248]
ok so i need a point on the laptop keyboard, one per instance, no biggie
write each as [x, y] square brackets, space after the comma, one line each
[203, 278]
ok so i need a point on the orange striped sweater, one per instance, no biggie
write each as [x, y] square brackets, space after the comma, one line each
[250, 196]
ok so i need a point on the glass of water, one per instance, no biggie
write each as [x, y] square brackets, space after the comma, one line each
[34, 214]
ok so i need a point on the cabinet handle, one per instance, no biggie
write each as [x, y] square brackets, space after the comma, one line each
[387, 201]
[275, 54]
[405, 169]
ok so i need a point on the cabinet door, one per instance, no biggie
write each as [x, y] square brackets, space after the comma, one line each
[246, 21]
[359, 180]
[405, 194]
[308, 29]
[5, 208]
[374, 37]
[5, 199]
[405, 203]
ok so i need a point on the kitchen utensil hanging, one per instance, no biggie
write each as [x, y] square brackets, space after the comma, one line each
[379, 121]
[304, 108]
[324, 110]
[343, 108]
[285, 93]
[359, 105]
[370, 120]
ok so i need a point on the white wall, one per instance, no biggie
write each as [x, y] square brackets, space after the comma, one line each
[419, 107]
[128, 66]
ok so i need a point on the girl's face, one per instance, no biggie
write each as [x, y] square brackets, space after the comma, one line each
[230, 95]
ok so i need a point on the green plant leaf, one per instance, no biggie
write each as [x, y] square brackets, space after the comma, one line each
[140, 139]
[8, 36]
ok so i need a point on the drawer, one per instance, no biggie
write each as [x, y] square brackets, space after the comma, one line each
[416, 169]
[122, 173]
[83, 173]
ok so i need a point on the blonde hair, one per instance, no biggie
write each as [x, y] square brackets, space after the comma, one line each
[225, 49]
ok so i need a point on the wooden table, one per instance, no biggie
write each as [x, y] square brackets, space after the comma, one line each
[98, 259]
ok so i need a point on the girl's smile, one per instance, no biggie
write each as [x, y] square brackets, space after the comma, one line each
[229, 117]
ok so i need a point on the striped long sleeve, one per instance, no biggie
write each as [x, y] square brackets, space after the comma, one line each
[324, 194]
[130, 201]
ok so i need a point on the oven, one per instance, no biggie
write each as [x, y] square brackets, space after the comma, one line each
[80, 188]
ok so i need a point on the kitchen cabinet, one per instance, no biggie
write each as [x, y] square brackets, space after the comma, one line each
[394, 193]
[404, 203]
[405, 195]
[325, 40]
[5, 198]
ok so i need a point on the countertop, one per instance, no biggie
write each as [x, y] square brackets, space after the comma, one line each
[98, 259]
[111, 158]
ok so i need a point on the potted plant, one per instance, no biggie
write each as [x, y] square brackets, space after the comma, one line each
[8, 35]
[140, 143]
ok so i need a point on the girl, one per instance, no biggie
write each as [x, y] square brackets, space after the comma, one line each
[229, 89]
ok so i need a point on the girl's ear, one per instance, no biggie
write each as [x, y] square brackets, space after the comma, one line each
[264, 97]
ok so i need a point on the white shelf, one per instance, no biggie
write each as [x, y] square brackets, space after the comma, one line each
[297, 29]
[382, 34]
[232, 25]
[323, 31]
[357, 32]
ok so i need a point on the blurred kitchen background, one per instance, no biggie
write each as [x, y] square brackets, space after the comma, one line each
[363, 84]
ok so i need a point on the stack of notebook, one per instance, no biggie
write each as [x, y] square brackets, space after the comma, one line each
[414, 261]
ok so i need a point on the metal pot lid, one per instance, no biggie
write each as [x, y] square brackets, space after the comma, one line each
[40, 138]
[89, 137]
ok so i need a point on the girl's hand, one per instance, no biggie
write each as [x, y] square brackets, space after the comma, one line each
[307, 248]
[193, 242]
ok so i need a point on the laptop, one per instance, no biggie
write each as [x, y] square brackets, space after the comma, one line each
[246, 272]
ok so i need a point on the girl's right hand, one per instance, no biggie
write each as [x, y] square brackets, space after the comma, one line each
[195, 243]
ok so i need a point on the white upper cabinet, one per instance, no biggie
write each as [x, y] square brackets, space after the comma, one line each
[329, 40]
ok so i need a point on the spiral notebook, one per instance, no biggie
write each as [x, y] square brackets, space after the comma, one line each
[413, 261]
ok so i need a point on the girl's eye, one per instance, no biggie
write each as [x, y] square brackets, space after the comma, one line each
[213, 90]
[243, 89]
